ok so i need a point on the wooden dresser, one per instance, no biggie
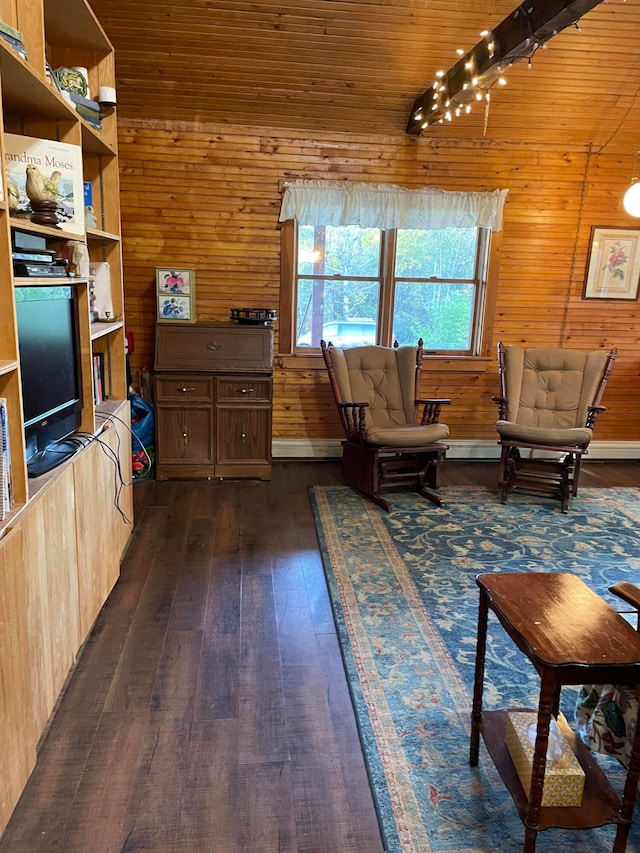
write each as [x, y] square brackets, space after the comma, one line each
[213, 394]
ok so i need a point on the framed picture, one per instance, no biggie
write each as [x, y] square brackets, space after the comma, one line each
[176, 294]
[613, 267]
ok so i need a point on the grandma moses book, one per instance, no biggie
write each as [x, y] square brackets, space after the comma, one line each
[54, 171]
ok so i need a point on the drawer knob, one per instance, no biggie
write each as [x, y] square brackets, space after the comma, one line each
[185, 390]
[247, 390]
[214, 346]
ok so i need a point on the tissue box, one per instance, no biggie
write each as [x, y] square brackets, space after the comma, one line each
[563, 779]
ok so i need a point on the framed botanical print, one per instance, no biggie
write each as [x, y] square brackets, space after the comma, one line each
[613, 266]
[175, 294]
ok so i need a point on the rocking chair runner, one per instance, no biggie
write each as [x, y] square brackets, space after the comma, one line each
[376, 390]
[549, 401]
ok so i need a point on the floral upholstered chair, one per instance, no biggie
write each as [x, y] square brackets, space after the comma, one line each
[607, 714]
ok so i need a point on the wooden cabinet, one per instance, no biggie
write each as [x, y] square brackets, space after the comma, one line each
[62, 540]
[213, 392]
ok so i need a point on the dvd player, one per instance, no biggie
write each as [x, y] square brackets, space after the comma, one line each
[25, 270]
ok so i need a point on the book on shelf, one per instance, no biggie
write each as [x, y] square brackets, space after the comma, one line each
[88, 109]
[13, 37]
[6, 497]
[98, 378]
[54, 169]
[87, 103]
[10, 31]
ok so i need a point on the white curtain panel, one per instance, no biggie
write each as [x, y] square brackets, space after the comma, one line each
[389, 206]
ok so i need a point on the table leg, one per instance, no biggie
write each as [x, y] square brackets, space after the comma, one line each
[628, 796]
[478, 680]
[549, 699]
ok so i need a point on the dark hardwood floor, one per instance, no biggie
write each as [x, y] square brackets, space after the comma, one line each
[208, 711]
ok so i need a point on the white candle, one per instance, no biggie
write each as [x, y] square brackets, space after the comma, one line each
[107, 96]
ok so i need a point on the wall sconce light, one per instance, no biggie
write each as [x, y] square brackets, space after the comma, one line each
[631, 200]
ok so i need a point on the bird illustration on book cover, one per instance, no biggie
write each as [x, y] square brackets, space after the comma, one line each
[40, 170]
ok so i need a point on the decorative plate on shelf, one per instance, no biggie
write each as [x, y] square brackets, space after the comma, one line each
[253, 316]
[71, 80]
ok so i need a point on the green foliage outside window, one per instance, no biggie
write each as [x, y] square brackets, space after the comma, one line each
[432, 275]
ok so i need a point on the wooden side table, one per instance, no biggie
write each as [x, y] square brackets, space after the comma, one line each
[571, 636]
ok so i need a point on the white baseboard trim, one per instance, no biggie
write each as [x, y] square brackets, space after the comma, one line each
[285, 448]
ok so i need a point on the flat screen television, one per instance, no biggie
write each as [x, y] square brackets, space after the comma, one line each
[47, 318]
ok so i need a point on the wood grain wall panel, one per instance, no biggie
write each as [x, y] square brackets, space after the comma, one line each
[328, 65]
[208, 197]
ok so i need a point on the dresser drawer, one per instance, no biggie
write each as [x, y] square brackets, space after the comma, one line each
[213, 347]
[244, 389]
[196, 389]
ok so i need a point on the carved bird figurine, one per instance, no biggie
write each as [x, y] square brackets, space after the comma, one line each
[13, 194]
[40, 188]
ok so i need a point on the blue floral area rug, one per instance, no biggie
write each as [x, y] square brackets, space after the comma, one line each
[405, 602]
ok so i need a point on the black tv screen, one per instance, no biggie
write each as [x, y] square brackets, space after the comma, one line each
[49, 365]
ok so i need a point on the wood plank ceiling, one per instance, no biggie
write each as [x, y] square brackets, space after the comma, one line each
[323, 65]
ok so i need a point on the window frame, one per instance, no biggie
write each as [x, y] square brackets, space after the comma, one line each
[486, 274]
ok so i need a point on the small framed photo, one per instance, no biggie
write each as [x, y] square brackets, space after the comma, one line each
[176, 294]
[613, 265]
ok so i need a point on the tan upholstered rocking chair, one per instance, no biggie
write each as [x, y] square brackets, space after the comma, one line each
[376, 390]
[548, 406]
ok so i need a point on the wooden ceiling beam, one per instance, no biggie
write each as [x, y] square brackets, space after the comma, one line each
[530, 26]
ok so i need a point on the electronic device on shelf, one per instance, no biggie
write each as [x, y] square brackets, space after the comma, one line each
[49, 347]
[32, 259]
[253, 316]
[27, 242]
[24, 269]
[44, 256]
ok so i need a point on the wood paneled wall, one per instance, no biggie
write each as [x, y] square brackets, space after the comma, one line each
[207, 197]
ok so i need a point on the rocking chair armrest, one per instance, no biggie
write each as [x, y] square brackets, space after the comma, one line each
[628, 592]
[593, 414]
[431, 411]
[353, 420]
[502, 406]
[353, 405]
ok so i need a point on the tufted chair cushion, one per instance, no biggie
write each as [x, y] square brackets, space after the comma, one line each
[385, 379]
[549, 392]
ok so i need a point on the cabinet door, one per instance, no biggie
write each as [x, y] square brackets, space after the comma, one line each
[243, 441]
[18, 735]
[102, 530]
[184, 441]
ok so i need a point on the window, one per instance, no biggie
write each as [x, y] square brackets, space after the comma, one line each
[377, 262]
[354, 285]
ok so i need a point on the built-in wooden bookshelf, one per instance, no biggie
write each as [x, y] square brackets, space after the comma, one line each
[61, 543]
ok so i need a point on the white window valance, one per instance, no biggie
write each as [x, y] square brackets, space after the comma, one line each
[389, 206]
